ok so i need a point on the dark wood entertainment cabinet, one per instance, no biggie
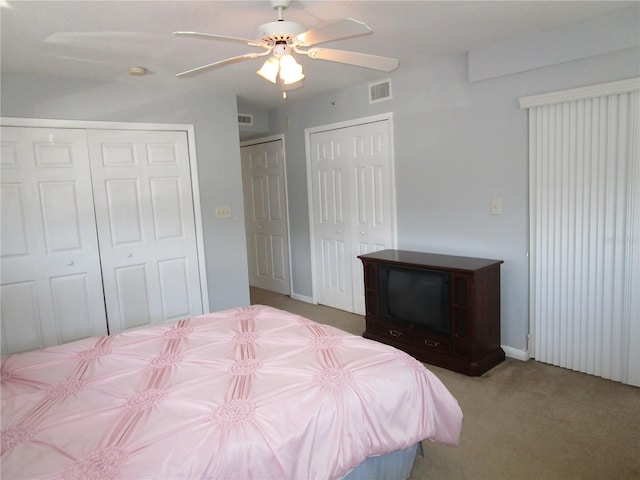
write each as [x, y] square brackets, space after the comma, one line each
[473, 346]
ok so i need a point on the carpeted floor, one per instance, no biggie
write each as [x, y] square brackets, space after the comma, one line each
[523, 420]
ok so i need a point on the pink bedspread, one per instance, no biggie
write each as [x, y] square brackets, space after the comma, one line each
[245, 393]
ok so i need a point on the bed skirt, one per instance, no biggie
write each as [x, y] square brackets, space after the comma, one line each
[392, 466]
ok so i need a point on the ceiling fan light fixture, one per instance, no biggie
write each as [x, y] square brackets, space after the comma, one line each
[290, 70]
[269, 70]
[281, 38]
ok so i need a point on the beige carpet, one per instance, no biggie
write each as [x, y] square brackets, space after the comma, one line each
[523, 420]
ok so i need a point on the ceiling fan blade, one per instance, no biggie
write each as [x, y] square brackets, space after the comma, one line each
[224, 38]
[385, 64]
[345, 28]
[228, 61]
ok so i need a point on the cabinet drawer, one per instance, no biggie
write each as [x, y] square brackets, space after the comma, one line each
[396, 334]
[433, 343]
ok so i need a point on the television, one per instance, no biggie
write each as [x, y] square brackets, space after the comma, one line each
[415, 297]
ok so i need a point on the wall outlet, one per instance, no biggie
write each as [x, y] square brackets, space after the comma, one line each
[223, 212]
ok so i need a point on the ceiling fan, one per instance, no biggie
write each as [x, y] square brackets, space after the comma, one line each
[279, 39]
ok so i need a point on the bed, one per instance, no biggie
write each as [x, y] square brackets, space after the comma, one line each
[252, 392]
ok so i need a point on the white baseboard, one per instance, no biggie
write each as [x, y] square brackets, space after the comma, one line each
[515, 353]
[508, 351]
[302, 298]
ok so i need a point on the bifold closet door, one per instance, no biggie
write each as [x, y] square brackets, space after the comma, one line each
[353, 207]
[51, 284]
[146, 226]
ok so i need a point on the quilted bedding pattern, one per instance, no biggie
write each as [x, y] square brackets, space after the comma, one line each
[251, 392]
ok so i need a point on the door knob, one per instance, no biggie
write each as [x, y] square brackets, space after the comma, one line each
[70, 263]
[129, 255]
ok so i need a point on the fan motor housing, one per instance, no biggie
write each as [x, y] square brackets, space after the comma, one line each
[278, 31]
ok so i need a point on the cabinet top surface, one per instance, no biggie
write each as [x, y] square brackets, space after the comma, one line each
[430, 260]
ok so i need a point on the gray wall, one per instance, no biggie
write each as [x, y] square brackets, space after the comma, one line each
[215, 119]
[458, 145]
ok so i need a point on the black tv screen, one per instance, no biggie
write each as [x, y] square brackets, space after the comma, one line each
[417, 297]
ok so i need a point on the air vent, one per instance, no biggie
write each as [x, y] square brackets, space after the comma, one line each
[245, 119]
[379, 92]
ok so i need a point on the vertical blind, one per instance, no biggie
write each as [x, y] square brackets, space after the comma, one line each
[584, 187]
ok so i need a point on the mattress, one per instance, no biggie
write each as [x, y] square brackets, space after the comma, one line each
[251, 392]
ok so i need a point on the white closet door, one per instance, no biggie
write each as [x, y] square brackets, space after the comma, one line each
[263, 179]
[332, 220]
[146, 228]
[373, 225]
[353, 207]
[51, 283]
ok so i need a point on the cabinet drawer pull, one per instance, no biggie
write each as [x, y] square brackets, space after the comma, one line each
[395, 333]
[431, 343]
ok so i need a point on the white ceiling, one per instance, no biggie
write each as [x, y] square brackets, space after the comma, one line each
[100, 40]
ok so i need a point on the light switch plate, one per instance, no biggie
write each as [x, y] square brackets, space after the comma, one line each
[496, 206]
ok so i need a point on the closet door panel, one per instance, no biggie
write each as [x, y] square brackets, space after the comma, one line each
[332, 219]
[371, 194]
[21, 321]
[14, 228]
[142, 184]
[60, 216]
[132, 297]
[165, 204]
[174, 280]
[123, 211]
[70, 307]
[49, 249]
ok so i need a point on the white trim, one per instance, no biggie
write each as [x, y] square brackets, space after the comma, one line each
[193, 167]
[256, 141]
[303, 298]
[197, 213]
[307, 145]
[591, 91]
[275, 138]
[516, 354]
[307, 152]
[348, 123]
[90, 124]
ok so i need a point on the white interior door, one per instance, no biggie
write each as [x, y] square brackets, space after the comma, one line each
[266, 217]
[51, 283]
[353, 207]
[146, 229]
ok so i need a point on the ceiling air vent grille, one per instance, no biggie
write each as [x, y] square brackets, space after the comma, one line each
[379, 92]
[245, 119]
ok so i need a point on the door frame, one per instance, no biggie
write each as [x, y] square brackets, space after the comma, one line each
[308, 132]
[189, 130]
[274, 138]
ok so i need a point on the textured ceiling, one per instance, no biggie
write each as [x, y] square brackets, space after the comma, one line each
[99, 40]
